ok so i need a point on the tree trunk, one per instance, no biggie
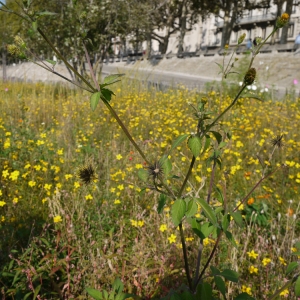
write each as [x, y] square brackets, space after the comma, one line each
[228, 26]
[182, 31]
[285, 29]
[4, 61]
[149, 46]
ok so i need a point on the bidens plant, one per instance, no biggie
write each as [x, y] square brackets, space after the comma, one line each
[193, 209]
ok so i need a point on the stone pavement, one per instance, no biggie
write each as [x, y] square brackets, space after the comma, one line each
[277, 71]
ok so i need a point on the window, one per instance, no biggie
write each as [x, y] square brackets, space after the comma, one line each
[291, 30]
[263, 32]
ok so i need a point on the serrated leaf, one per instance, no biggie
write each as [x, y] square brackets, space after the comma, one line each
[291, 266]
[106, 94]
[220, 283]
[217, 136]
[297, 287]
[111, 79]
[143, 175]
[179, 140]
[94, 100]
[238, 219]
[230, 275]
[178, 211]
[161, 203]
[36, 291]
[192, 208]
[52, 62]
[97, 295]
[207, 229]
[194, 144]
[208, 211]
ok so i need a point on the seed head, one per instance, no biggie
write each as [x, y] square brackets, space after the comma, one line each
[155, 170]
[87, 173]
[277, 141]
[250, 76]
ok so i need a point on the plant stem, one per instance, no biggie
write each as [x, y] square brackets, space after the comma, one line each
[256, 185]
[209, 259]
[186, 263]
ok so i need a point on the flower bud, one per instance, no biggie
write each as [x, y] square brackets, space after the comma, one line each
[19, 42]
[257, 41]
[250, 76]
[241, 38]
[283, 20]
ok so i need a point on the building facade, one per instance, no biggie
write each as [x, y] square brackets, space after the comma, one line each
[254, 23]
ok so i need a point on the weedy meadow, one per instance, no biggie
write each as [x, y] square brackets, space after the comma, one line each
[135, 193]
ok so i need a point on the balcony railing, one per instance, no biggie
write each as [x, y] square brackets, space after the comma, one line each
[250, 19]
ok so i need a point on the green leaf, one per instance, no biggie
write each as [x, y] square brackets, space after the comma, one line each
[244, 296]
[194, 144]
[27, 295]
[297, 287]
[118, 286]
[36, 291]
[52, 62]
[161, 203]
[220, 283]
[230, 275]
[220, 66]
[204, 291]
[225, 222]
[229, 236]
[179, 140]
[45, 13]
[207, 143]
[219, 195]
[94, 293]
[166, 165]
[222, 145]
[187, 295]
[34, 26]
[106, 94]
[94, 100]
[207, 229]
[217, 136]
[208, 211]
[143, 175]
[292, 266]
[215, 271]
[254, 97]
[196, 227]
[192, 208]
[175, 296]
[178, 211]
[238, 219]
[111, 79]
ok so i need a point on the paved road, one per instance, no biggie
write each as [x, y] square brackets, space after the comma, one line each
[161, 78]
